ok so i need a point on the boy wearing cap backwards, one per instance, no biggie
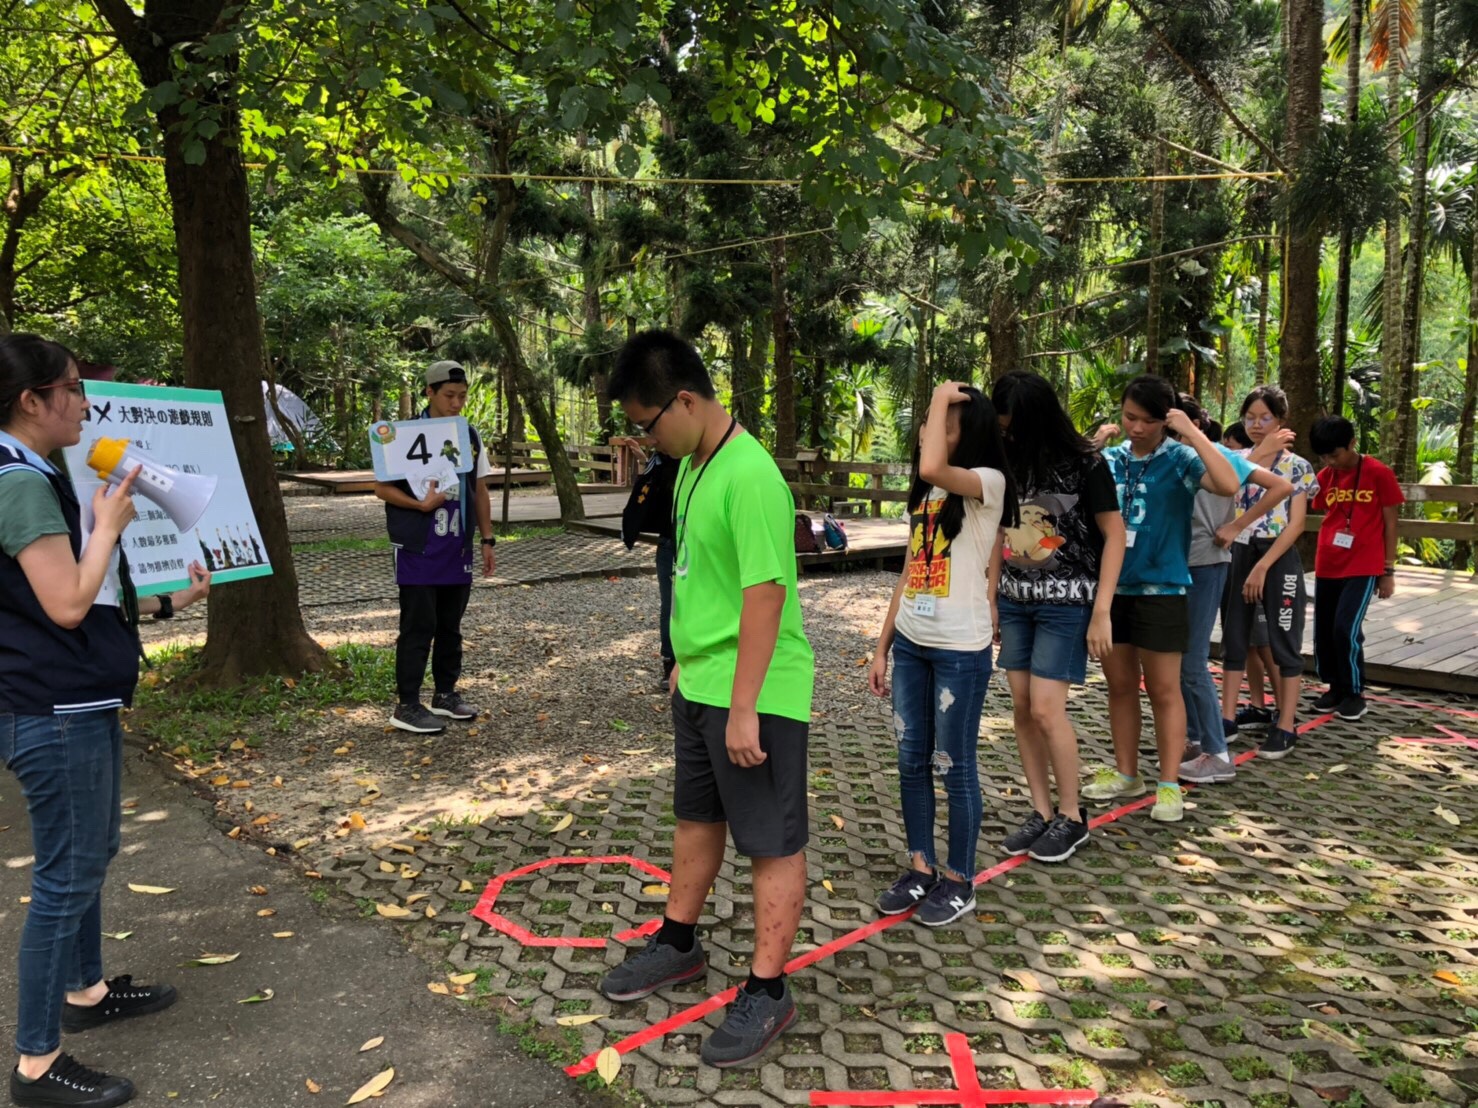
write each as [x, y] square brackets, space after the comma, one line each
[741, 691]
[432, 540]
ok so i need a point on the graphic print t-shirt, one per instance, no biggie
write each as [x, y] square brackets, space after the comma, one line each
[951, 573]
[1354, 501]
[1052, 557]
[1157, 494]
[447, 557]
[1288, 465]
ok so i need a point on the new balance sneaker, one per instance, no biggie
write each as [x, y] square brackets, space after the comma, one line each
[415, 717]
[123, 1000]
[1327, 701]
[1169, 804]
[1020, 840]
[947, 901]
[1254, 718]
[1109, 784]
[905, 893]
[1062, 837]
[753, 1022]
[68, 1082]
[1352, 708]
[1277, 744]
[452, 706]
[653, 967]
[1208, 769]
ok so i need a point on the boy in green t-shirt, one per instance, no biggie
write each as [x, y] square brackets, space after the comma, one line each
[741, 690]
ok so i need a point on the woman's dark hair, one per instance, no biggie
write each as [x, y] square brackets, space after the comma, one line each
[28, 362]
[1154, 394]
[1237, 435]
[1272, 396]
[1041, 436]
[1330, 433]
[1213, 430]
[1192, 408]
[980, 446]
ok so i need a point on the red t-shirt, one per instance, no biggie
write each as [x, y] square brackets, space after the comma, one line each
[1353, 502]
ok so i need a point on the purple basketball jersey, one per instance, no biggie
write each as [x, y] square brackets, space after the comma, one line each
[445, 561]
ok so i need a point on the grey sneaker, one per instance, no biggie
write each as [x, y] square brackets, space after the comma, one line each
[452, 706]
[415, 717]
[1208, 769]
[754, 1021]
[947, 901]
[1020, 841]
[905, 893]
[653, 967]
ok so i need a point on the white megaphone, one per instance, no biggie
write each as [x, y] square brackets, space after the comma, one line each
[183, 496]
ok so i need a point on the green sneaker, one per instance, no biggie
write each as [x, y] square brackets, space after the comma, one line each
[1109, 784]
[1169, 804]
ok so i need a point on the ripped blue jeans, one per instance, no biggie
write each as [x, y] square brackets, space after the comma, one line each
[937, 700]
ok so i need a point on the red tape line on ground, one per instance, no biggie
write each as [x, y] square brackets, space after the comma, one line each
[485, 912]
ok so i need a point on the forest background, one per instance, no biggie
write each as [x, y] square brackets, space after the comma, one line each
[842, 203]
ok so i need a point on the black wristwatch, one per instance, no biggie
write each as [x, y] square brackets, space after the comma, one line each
[489, 540]
[166, 607]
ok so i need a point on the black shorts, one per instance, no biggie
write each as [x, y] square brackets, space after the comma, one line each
[765, 805]
[1157, 623]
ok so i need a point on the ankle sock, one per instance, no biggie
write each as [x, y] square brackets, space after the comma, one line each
[773, 987]
[1170, 785]
[679, 936]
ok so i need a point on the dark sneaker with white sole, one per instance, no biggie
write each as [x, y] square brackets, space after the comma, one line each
[947, 901]
[1352, 708]
[452, 706]
[905, 893]
[753, 1022]
[1327, 701]
[1020, 841]
[1062, 837]
[415, 717]
[1278, 744]
[1254, 718]
[653, 967]
[71, 1084]
[124, 1000]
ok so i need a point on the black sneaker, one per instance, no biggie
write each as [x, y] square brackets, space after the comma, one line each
[1327, 701]
[1352, 708]
[452, 706]
[905, 893]
[753, 1022]
[69, 1082]
[1254, 718]
[1277, 744]
[124, 999]
[947, 901]
[414, 717]
[1020, 841]
[1229, 730]
[653, 967]
[1063, 836]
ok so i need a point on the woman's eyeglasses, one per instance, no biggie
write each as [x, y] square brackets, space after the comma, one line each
[1257, 420]
[73, 385]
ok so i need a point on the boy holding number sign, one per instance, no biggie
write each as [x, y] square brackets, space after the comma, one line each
[431, 532]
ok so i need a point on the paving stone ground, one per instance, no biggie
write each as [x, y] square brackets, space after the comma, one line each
[1308, 933]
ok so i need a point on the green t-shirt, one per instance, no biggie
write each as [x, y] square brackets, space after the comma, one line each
[737, 530]
[31, 510]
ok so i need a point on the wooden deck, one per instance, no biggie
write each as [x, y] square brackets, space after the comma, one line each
[355, 481]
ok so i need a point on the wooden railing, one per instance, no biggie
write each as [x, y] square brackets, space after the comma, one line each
[1416, 527]
[826, 479]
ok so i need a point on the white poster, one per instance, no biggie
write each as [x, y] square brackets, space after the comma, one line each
[191, 500]
[419, 451]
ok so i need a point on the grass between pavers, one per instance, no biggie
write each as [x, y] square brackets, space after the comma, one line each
[202, 723]
[511, 533]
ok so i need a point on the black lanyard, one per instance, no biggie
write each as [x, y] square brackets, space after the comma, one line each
[678, 541]
[1132, 479]
[1354, 493]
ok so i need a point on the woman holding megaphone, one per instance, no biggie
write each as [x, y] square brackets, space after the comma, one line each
[67, 665]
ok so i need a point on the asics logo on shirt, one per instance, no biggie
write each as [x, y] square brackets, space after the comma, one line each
[1359, 496]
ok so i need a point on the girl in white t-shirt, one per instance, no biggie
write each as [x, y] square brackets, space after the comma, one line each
[939, 629]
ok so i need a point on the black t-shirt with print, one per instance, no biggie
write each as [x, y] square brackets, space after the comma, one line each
[1052, 556]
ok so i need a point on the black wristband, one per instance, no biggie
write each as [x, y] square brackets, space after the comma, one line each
[166, 607]
[489, 540]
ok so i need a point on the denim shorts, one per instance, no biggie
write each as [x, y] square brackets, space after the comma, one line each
[1051, 640]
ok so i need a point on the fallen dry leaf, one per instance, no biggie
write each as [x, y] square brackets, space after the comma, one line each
[265, 912]
[118, 934]
[234, 833]
[415, 897]
[1334, 1092]
[608, 1064]
[464, 886]
[258, 890]
[643, 750]
[1337, 769]
[151, 890]
[313, 1086]
[569, 818]
[213, 959]
[387, 867]
[373, 1087]
[656, 890]
[439, 988]
[576, 1021]
[282, 934]
[1314, 1029]
[461, 978]
[841, 824]
[1187, 860]
[259, 997]
[356, 822]
[392, 911]
[826, 884]
[1447, 814]
[221, 779]
[1026, 979]
[376, 1041]
[1448, 976]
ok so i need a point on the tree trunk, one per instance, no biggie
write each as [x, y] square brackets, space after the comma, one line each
[594, 326]
[1004, 333]
[1346, 237]
[759, 357]
[785, 429]
[1157, 241]
[1462, 552]
[253, 626]
[1416, 250]
[923, 378]
[1391, 445]
[1264, 277]
[1299, 350]
[744, 390]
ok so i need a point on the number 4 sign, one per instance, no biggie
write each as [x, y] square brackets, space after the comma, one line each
[419, 451]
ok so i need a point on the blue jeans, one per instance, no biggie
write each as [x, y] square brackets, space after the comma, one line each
[937, 699]
[70, 768]
[1202, 704]
[665, 554]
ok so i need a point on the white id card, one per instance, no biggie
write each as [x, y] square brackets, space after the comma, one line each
[1244, 537]
[923, 605]
[1345, 540]
[1129, 537]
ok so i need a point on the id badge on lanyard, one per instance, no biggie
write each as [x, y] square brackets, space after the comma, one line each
[1345, 540]
[923, 605]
